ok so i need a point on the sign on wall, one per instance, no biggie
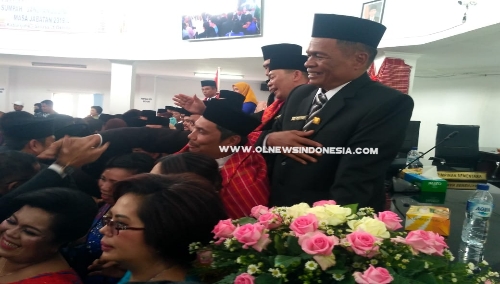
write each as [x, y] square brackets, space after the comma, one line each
[88, 16]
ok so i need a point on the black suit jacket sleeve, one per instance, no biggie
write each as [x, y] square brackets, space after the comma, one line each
[124, 140]
[383, 129]
[155, 140]
[258, 115]
[44, 179]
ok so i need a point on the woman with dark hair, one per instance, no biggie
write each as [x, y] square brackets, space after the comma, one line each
[117, 169]
[43, 221]
[190, 163]
[114, 123]
[154, 220]
[37, 108]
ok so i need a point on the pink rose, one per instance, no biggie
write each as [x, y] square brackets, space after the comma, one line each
[373, 275]
[390, 219]
[399, 240]
[244, 278]
[252, 235]
[426, 242]
[270, 220]
[223, 230]
[488, 281]
[205, 257]
[318, 243]
[324, 202]
[304, 224]
[362, 243]
[258, 210]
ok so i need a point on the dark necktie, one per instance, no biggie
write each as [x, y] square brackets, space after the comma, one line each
[319, 102]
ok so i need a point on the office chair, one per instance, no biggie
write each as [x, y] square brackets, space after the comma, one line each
[410, 141]
[460, 153]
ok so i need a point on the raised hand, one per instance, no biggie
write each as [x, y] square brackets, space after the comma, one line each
[192, 104]
[294, 138]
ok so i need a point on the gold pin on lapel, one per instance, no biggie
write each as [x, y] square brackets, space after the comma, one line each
[316, 120]
[278, 116]
[295, 118]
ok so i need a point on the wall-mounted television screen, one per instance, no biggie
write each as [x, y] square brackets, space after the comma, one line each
[222, 19]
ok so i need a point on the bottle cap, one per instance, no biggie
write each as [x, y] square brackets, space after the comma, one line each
[482, 186]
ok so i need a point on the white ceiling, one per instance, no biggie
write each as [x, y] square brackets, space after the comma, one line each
[475, 51]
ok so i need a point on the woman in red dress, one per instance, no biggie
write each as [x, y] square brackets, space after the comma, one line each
[43, 221]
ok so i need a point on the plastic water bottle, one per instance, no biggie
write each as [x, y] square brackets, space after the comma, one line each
[413, 155]
[476, 225]
[477, 216]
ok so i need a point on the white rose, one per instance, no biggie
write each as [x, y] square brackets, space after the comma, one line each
[332, 215]
[298, 210]
[372, 226]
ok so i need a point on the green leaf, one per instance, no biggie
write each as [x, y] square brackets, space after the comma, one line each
[348, 280]
[306, 256]
[279, 245]
[286, 261]
[228, 279]
[293, 245]
[414, 267]
[267, 279]
[336, 271]
[398, 279]
[246, 220]
[354, 208]
[427, 278]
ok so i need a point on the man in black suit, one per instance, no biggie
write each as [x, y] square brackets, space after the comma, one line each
[268, 51]
[341, 107]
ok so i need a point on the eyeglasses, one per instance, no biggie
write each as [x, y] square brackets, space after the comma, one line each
[117, 226]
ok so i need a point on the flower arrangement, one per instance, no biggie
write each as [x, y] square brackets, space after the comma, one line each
[328, 243]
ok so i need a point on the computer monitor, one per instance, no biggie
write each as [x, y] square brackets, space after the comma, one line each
[411, 138]
[463, 149]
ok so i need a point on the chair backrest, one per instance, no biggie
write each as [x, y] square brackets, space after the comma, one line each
[463, 149]
[411, 138]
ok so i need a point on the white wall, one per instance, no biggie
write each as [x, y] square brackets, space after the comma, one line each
[32, 85]
[157, 22]
[457, 100]
[167, 87]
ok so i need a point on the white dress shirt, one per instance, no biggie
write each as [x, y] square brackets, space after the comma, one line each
[222, 161]
[328, 95]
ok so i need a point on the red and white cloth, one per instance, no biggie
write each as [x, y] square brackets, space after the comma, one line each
[394, 73]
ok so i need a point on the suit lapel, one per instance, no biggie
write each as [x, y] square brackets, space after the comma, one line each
[337, 102]
[305, 105]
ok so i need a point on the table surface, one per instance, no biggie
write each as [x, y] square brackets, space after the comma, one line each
[488, 150]
[456, 201]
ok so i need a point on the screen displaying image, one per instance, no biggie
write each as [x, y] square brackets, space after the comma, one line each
[222, 19]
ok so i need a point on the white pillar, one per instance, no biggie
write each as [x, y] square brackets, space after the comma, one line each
[409, 58]
[5, 101]
[122, 93]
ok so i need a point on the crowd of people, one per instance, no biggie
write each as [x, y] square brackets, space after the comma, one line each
[119, 198]
[244, 21]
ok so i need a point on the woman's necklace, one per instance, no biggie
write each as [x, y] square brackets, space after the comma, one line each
[158, 274]
[10, 273]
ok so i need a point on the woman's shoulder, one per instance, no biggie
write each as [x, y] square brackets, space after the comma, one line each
[59, 277]
[166, 282]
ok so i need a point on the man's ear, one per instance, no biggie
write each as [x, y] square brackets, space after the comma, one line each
[232, 141]
[34, 145]
[12, 185]
[361, 60]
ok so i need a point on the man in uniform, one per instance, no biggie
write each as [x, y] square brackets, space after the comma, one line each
[274, 49]
[209, 89]
[341, 107]
[286, 72]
